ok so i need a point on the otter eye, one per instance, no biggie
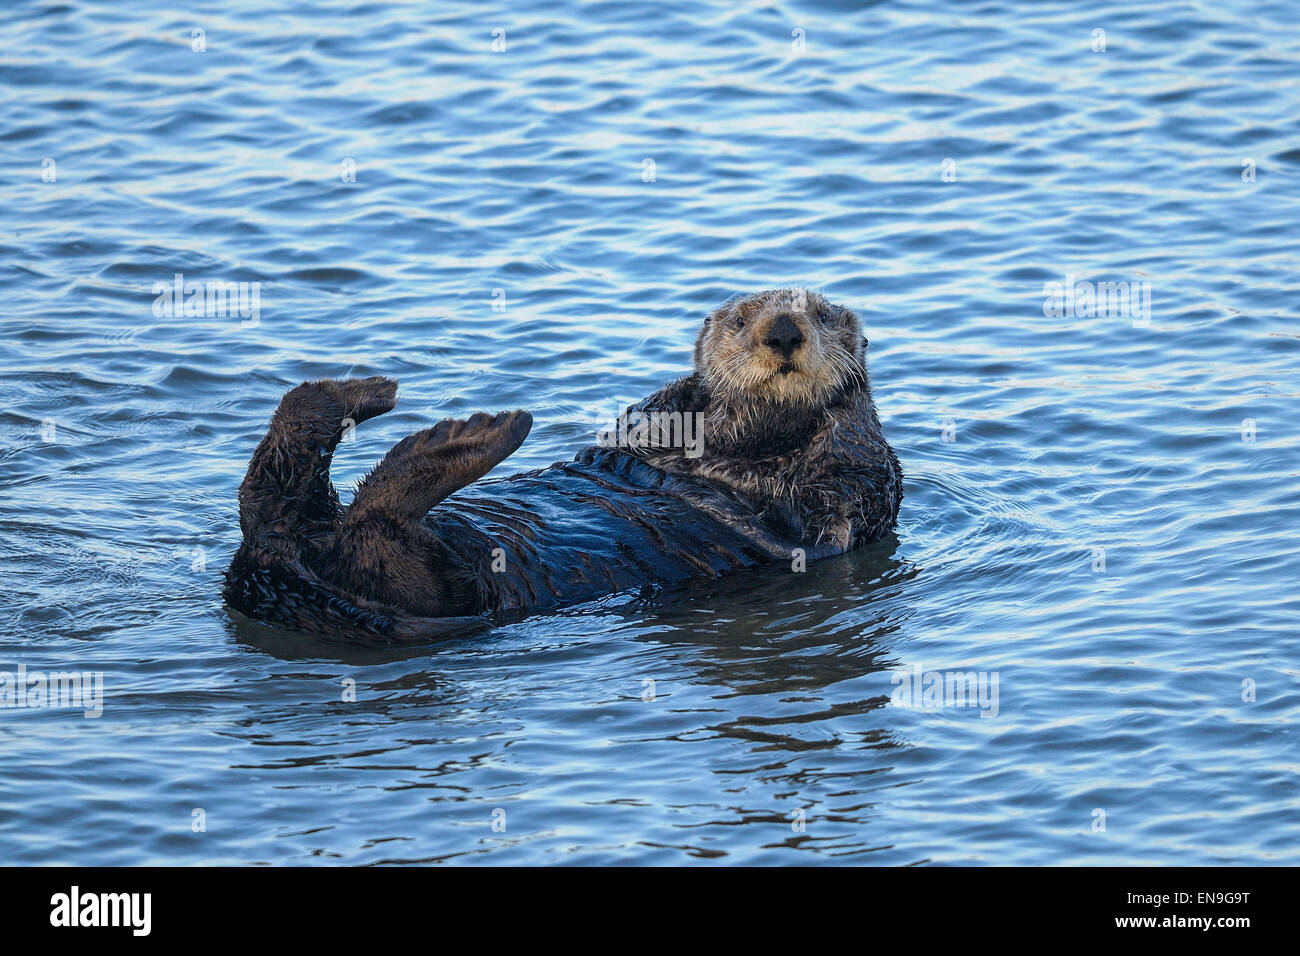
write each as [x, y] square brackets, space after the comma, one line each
[740, 321]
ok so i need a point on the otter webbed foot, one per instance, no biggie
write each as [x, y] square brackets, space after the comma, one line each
[383, 549]
[424, 468]
[364, 398]
[287, 487]
[327, 407]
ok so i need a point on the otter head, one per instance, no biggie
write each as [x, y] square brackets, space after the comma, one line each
[785, 347]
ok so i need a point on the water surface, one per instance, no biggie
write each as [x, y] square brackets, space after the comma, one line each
[1100, 509]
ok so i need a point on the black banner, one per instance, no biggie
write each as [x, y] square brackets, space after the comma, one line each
[932, 904]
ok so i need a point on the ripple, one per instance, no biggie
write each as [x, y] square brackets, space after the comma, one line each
[1098, 513]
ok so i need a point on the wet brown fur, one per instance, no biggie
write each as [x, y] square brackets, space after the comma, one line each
[794, 456]
[797, 428]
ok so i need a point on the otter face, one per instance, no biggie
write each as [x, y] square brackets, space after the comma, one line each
[785, 346]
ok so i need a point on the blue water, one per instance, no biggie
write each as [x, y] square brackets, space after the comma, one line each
[1100, 510]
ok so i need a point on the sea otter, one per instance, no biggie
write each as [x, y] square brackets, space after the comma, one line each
[790, 462]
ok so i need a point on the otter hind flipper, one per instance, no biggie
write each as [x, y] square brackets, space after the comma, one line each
[287, 488]
[331, 405]
[364, 398]
[424, 468]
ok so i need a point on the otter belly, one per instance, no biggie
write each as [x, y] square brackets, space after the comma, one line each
[603, 523]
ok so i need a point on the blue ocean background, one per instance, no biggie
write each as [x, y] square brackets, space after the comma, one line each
[534, 205]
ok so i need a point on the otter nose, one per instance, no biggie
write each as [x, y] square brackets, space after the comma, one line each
[784, 336]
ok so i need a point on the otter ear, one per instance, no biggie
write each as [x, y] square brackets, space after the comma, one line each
[703, 333]
[698, 357]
